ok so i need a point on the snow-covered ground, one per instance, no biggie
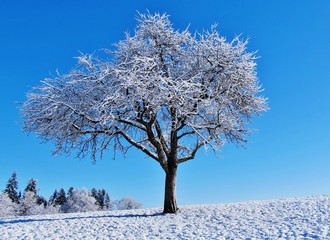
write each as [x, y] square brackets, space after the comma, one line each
[305, 218]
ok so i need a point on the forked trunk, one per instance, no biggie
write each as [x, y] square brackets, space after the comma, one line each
[170, 191]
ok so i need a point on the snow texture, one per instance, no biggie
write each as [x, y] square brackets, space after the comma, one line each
[306, 218]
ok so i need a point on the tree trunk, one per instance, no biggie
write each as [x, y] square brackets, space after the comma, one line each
[170, 190]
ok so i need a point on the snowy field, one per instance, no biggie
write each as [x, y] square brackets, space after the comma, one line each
[305, 218]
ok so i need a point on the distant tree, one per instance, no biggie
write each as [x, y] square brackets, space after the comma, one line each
[165, 92]
[32, 203]
[95, 194]
[128, 203]
[28, 202]
[101, 198]
[31, 187]
[61, 197]
[12, 187]
[41, 201]
[29, 206]
[7, 206]
[107, 202]
[70, 193]
[53, 197]
[81, 201]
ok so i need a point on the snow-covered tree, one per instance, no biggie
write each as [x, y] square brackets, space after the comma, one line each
[31, 187]
[128, 203]
[81, 201]
[70, 193]
[29, 206]
[61, 200]
[101, 200]
[163, 91]
[7, 206]
[94, 194]
[32, 203]
[61, 197]
[100, 197]
[52, 198]
[12, 187]
[108, 205]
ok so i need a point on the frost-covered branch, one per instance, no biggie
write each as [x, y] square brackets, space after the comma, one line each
[193, 152]
[138, 145]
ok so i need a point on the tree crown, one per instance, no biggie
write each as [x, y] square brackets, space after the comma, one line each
[164, 91]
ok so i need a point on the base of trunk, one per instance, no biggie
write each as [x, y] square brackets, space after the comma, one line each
[170, 208]
[170, 205]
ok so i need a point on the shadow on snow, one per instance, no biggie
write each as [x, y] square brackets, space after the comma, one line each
[79, 218]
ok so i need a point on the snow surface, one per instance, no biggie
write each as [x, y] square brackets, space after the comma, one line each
[305, 218]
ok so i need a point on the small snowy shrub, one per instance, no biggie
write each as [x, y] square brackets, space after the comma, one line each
[128, 203]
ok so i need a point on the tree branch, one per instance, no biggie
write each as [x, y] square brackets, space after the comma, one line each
[194, 151]
[159, 148]
[185, 134]
[128, 122]
[161, 138]
[138, 145]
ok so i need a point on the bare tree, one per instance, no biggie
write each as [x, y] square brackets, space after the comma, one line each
[163, 91]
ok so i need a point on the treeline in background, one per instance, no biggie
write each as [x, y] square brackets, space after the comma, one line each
[13, 202]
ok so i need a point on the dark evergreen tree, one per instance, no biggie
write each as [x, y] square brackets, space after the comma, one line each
[52, 198]
[61, 198]
[32, 186]
[11, 188]
[107, 202]
[41, 201]
[94, 193]
[70, 193]
[101, 198]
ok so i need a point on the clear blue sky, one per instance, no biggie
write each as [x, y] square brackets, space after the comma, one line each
[289, 154]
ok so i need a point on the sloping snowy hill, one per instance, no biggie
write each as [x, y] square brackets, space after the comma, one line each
[305, 218]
